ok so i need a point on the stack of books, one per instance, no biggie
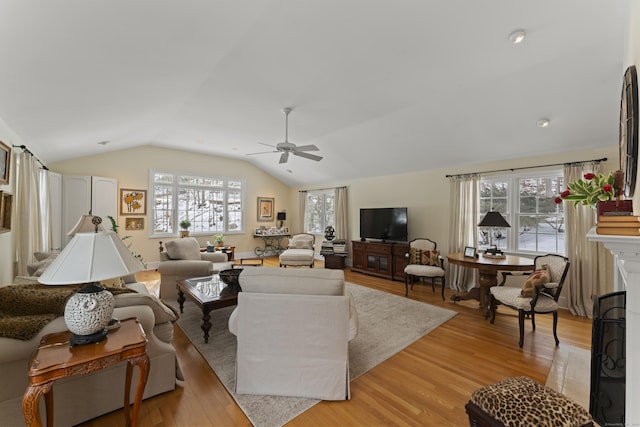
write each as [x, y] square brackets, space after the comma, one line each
[340, 246]
[622, 225]
[326, 248]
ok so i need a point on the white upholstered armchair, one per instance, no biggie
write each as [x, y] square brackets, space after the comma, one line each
[300, 252]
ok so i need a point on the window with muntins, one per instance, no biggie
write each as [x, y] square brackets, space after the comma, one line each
[212, 204]
[320, 211]
[526, 202]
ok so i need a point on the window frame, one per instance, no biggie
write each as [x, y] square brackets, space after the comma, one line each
[513, 214]
[324, 223]
[175, 184]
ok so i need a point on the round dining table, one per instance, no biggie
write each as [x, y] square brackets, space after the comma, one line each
[488, 268]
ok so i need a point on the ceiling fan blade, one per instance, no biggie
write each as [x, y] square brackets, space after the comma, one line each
[262, 152]
[284, 157]
[307, 156]
[268, 145]
[310, 147]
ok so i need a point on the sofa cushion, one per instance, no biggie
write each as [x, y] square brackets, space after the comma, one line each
[292, 281]
[187, 248]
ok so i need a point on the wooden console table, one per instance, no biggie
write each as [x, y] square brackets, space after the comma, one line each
[488, 270]
[56, 359]
[379, 259]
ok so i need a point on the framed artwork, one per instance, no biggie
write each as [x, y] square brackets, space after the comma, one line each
[134, 223]
[133, 202]
[265, 208]
[470, 251]
[6, 202]
[5, 162]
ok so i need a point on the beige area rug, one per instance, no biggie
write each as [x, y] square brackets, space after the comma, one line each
[388, 324]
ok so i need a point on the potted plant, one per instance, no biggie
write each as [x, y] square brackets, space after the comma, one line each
[219, 238]
[185, 224]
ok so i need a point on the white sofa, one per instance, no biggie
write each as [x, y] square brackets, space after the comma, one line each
[81, 398]
[181, 259]
[293, 328]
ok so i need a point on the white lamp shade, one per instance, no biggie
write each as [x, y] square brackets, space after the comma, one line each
[91, 257]
[84, 225]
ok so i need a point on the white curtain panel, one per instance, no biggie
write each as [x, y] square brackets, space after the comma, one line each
[341, 214]
[463, 229]
[591, 270]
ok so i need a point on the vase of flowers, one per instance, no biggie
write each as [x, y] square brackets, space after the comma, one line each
[599, 191]
[219, 238]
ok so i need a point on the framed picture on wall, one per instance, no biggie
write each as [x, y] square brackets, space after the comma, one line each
[265, 208]
[133, 202]
[5, 162]
[134, 223]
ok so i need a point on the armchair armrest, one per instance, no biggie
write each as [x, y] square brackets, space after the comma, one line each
[186, 267]
[214, 256]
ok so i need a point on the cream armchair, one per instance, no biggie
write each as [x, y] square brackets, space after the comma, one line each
[182, 259]
[300, 252]
[293, 328]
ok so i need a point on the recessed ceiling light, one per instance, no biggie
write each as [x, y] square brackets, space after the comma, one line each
[517, 36]
[543, 123]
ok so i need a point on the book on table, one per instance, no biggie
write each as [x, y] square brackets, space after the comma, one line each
[620, 231]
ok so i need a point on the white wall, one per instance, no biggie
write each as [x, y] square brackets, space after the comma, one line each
[633, 58]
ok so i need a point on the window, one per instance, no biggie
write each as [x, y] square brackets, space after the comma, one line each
[526, 202]
[211, 204]
[320, 211]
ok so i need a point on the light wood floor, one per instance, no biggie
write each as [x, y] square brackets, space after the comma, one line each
[427, 384]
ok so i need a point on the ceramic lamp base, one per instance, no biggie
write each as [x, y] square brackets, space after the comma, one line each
[88, 339]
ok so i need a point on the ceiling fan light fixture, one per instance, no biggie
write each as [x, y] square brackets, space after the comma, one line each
[517, 36]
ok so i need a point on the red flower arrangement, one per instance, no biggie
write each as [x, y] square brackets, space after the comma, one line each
[589, 190]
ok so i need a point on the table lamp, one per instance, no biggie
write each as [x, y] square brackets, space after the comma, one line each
[282, 216]
[87, 259]
[493, 220]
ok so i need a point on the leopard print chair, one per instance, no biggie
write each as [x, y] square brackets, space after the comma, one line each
[522, 402]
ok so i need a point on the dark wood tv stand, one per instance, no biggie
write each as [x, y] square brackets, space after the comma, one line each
[379, 258]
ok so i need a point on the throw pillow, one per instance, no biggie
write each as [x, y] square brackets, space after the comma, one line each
[301, 242]
[44, 264]
[423, 257]
[538, 277]
[430, 257]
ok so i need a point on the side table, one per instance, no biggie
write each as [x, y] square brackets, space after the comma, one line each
[56, 359]
[335, 261]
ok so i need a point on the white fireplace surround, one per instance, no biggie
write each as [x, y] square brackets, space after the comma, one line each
[626, 251]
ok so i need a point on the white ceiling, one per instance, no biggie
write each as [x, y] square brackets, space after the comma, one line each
[381, 87]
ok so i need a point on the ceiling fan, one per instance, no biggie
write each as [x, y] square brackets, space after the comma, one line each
[287, 147]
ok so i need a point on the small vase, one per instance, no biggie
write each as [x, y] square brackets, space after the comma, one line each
[613, 207]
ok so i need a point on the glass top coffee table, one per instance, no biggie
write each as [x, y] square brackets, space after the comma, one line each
[209, 293]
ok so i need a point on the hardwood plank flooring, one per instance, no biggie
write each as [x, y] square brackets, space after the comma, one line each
[427, 384]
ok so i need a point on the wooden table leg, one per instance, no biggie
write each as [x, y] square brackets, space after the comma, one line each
[487, 279]
[31, 407]
[206, 324]
[181, 300]
[142, 362]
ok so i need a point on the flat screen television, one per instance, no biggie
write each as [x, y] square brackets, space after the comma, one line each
[385, 224]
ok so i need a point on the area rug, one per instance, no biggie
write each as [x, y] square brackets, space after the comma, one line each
[388, 323]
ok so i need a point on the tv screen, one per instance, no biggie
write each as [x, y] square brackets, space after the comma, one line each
[386, 224]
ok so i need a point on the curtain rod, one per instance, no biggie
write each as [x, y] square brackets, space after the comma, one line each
[604, 159]
[26, 150]
[321, 189]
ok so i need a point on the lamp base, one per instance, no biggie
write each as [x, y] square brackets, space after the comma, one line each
[88, 339]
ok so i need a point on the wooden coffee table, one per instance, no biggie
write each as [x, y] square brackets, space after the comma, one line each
[209, 293]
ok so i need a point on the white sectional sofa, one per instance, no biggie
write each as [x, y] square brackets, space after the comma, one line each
[81, 398]
[293, 327]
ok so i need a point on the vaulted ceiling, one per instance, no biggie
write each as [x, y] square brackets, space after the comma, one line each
[379, 86]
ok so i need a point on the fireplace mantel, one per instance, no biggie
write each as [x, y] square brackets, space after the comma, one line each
[627, 254]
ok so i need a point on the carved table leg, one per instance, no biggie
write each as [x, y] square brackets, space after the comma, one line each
[31, 407]
[206, 324]
[181, 300]
[143, 365]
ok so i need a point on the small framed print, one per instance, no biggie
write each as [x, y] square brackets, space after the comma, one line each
[133, 202]
[265, 208]
[134, 223]
[470, 251]
[5, 163]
